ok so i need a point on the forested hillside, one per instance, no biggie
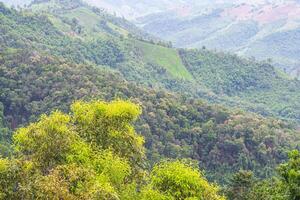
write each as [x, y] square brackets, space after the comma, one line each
[269, 91]
[85, 34]
[173, 126]
[75, 52]
[95, 153]
[260, 28]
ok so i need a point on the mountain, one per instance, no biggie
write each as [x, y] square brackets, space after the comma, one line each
[56, 52]
[214, 76]
[139, 57]
[262, 29]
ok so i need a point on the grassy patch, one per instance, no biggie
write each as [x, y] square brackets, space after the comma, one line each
[86, 18]
[59, 24]
[118, 29]
[165, 57]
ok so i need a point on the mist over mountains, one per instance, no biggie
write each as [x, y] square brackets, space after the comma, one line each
[262, 29]
[16, 2]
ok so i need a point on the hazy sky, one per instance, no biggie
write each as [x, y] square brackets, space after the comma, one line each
[135, 8]
[16, 2]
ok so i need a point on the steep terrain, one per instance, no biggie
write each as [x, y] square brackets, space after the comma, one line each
[263, 29]
[49, 60]
[145, 60]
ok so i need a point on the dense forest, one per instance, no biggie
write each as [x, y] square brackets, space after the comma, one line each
[272, 92]
[83, 34]
[185, 123]
[95, 153]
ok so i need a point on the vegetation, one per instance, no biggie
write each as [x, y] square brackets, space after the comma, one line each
[49, 62]
[173, 126]
[244, 186]
[166, 57]
[93, 153]
[245, 80]
[291, 175]
[5, 135]
[220, 78]
[224, 27]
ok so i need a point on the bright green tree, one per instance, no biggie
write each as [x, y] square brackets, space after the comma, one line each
[93, 153]
[110, 126]
[290, 173]
[180, 181]
[53, 161]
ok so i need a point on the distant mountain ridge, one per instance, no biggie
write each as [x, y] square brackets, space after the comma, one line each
[262, 28]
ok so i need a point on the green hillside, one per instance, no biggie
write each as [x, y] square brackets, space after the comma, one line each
[247, 28]
[165, 57]
[48, 61]
[216, 77]
[221, 140]
[258, 86]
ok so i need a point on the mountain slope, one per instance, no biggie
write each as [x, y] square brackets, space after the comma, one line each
[112, 41]
[46, 69]
[263, 29]
[258, 83]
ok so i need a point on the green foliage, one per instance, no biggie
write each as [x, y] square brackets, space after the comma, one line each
[106, 53]
[173, 126]
[44, 67]
[54, 159]
[150, 194]
[228, 74]
[217, 77]
[47, 142]
[255, 86]
[240, 186]
[109, 126]
[290, 173]
[269, 189]
[244, 186]
[4, 135]
[181, 182]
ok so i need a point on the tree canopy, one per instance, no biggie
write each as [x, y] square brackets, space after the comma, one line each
[93, 153]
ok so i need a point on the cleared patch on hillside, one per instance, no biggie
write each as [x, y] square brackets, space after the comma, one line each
[164, 57]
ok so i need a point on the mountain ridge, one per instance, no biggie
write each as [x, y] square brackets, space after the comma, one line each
[262, 29]
[155, 64]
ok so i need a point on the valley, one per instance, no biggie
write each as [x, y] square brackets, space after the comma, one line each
[116, 104]
[260, 29]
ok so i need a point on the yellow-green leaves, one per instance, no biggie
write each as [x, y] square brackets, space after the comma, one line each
[93, 153]
[4, 164]
[151, 194]
[114, 167]
[46, 142]
[109, 126]
[181, 181]
[290, 174]
[84, 155]
[74, 182]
